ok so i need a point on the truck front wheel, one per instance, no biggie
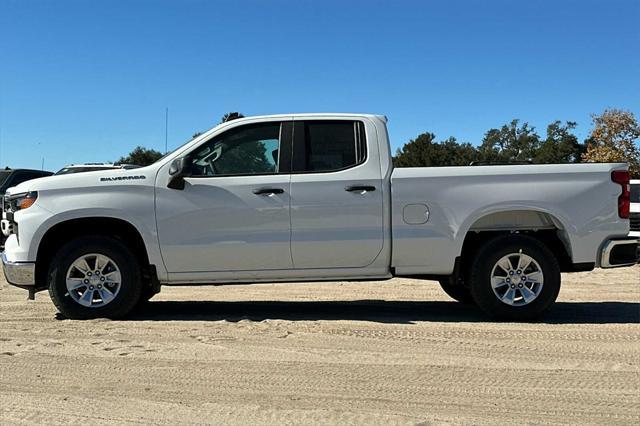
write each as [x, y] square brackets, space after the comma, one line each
[515, 277]
[95, 277]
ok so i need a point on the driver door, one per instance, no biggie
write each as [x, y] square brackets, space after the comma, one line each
[233, 213]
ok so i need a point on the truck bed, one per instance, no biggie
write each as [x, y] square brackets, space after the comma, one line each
[578, 200]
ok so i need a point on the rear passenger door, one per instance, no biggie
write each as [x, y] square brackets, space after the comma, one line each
[336, 194]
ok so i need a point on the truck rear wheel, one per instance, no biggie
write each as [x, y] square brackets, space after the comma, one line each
[456, 291]
[515, 277]
[95, 277]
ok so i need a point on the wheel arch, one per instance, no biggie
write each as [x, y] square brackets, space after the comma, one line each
[541, 223]
[65, 230]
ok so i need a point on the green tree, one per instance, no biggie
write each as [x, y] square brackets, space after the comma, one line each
[141, 156]
[512, 142]
[231, 116]
[560, 145]
[424, 151]
[614, 138]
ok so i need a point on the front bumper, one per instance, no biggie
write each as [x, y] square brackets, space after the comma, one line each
[19, 273]
[620, 252]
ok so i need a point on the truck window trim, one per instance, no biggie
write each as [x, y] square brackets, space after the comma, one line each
[298, 161]
[284, 151]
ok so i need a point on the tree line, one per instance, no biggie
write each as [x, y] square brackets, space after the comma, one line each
[613, 138]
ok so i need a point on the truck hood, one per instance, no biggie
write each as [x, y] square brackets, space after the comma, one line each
[143, 175]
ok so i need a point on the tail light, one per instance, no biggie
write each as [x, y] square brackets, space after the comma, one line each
[621, 177]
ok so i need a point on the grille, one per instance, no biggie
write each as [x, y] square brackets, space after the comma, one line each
[634, 218]
[8, 206]
[5, 203]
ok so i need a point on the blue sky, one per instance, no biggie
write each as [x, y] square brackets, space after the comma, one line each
[89, 80]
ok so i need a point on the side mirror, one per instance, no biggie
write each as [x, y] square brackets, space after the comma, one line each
[180, 168]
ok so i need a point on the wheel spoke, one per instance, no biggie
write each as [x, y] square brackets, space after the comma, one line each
[535, 277]
[82, 265]
[75, 283]
[509, 296]
[527, 294]
[106, 295]
[497, 282]
[101, 263]
[87, 297]
[505, 264]
[524, 262]
[113, 277]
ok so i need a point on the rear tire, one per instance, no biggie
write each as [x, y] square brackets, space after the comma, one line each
[456, 291]
[95, 277]
[515, 277]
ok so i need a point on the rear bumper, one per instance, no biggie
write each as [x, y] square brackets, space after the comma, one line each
[19, 273]
[620, 252]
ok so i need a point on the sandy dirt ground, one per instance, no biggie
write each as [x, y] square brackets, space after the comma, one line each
[396, 352]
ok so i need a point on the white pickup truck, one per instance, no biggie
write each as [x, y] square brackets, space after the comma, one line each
[310, 197]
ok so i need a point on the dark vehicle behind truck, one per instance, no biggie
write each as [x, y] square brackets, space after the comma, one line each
[12, 177]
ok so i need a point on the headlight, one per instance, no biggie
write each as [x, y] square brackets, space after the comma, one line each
[23, 201]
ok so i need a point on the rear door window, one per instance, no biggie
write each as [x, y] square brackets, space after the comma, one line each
[326, 146]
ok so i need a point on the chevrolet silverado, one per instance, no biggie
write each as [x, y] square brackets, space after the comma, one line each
[308, 197]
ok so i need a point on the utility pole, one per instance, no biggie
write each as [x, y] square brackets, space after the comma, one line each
[0, 133]
[38, 144]
[166, 129]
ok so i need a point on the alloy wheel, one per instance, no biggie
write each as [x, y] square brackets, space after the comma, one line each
[93, 280]
[517, 279]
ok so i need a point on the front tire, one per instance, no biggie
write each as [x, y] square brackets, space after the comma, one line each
[515, 277]
[146, 295]
[95, 277]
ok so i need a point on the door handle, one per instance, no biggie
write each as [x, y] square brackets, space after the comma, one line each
[360, 188]
[268, 191]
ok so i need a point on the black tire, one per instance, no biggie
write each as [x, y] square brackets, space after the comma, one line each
[146, 295]
[126, 261]
[456, 291]
[494, 250]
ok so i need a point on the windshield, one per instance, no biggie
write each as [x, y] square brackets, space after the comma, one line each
[70, 170]
[180, 147]
[171, 152]
[4, 174]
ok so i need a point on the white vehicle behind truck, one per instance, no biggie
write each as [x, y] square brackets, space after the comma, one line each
[634, 211]
[310, 197]
[93, 167]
